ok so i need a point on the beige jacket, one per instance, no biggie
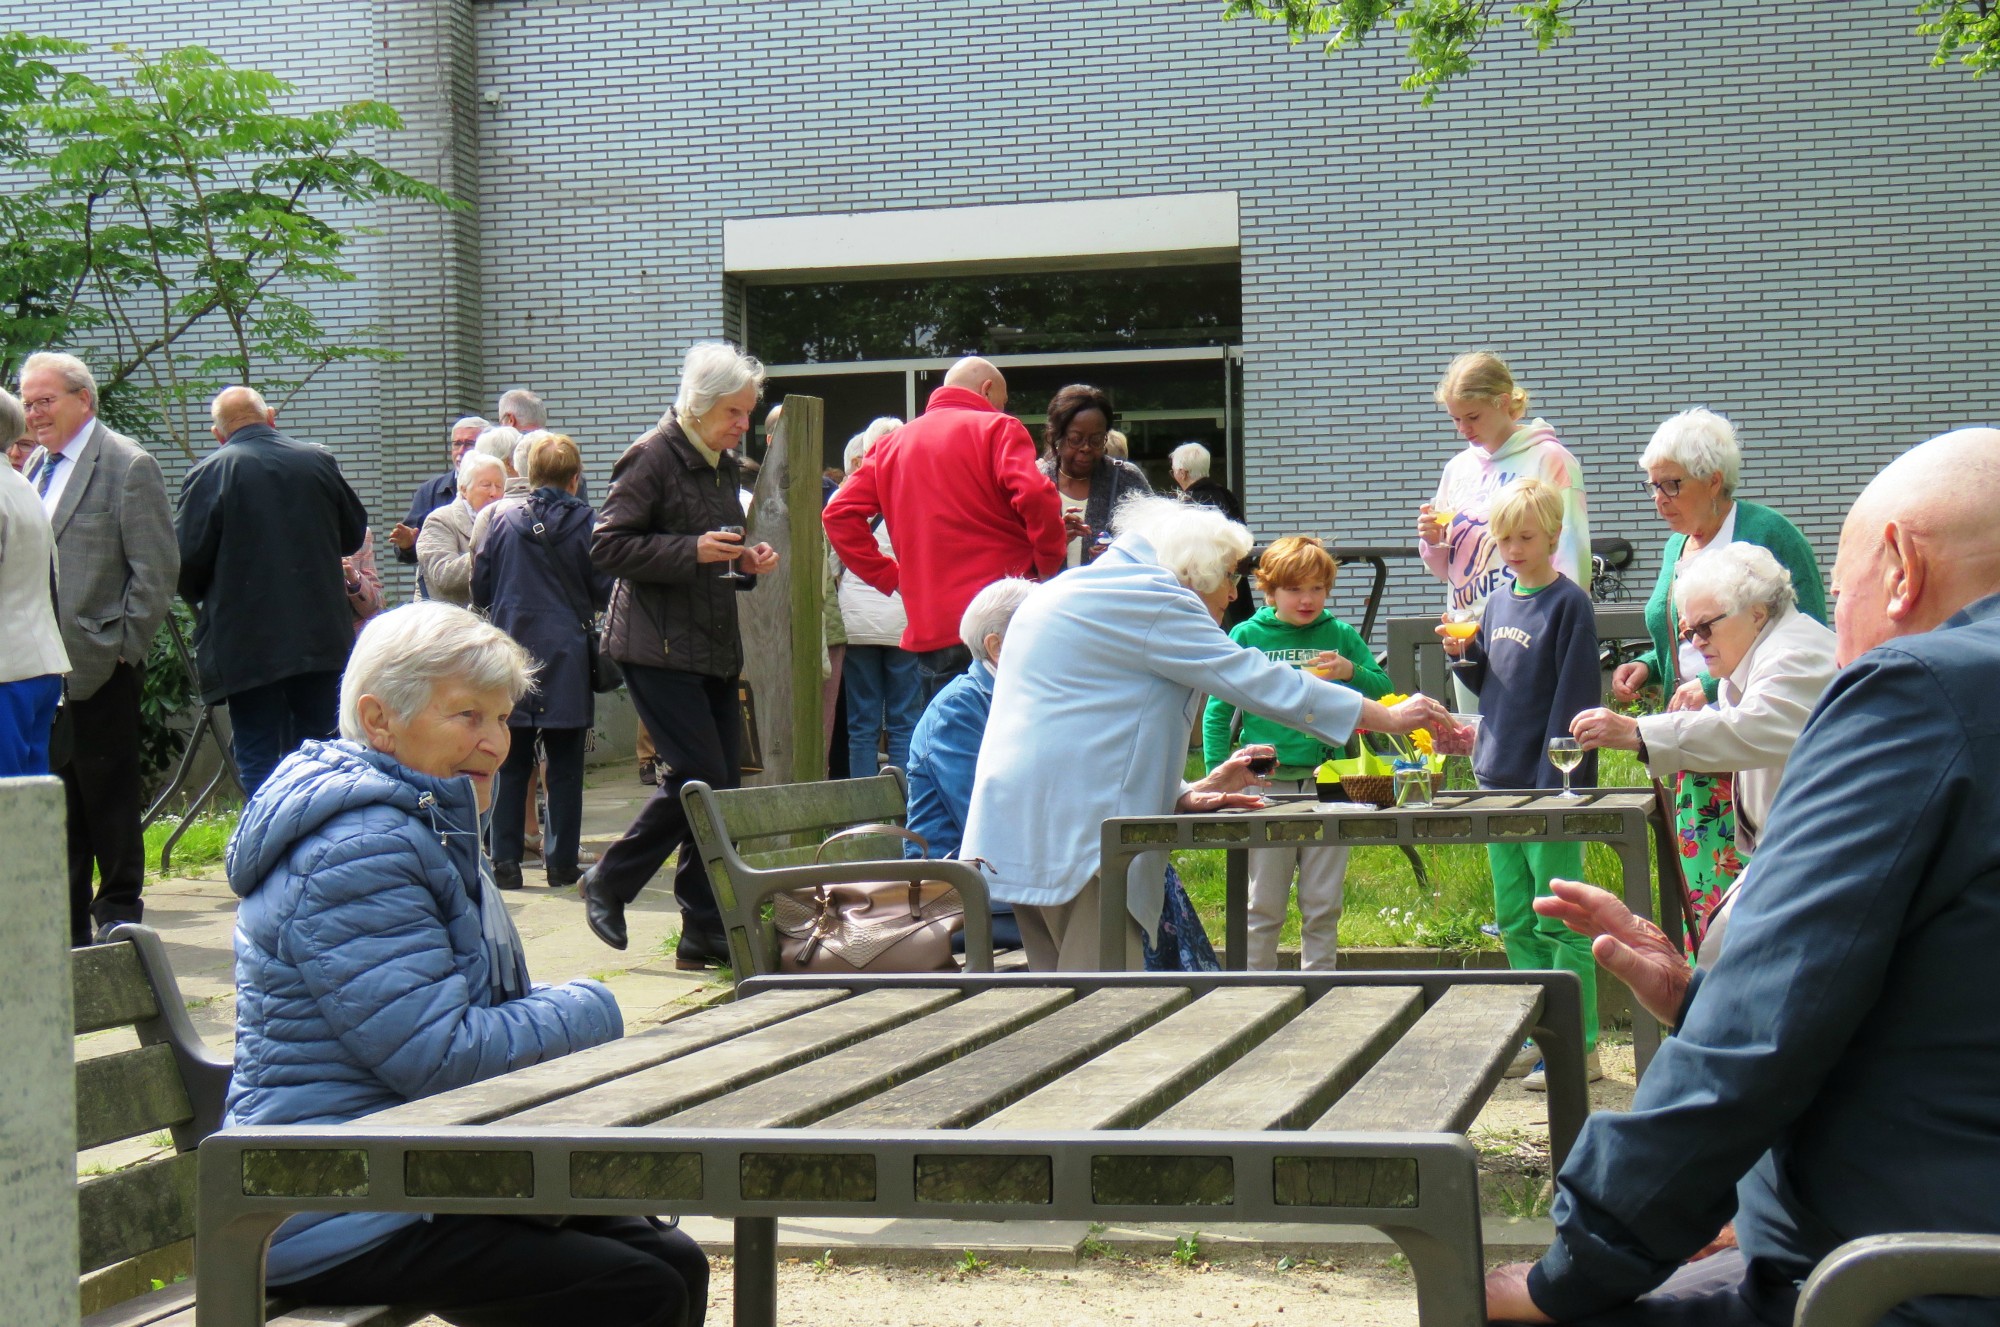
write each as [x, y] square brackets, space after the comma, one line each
[31, 646]
[1758, 713]
[444, 553]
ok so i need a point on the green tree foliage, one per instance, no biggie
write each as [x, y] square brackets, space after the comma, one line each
[1440, 36]
[176, 223]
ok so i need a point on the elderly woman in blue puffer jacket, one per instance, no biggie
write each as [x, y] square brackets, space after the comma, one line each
[376, 964]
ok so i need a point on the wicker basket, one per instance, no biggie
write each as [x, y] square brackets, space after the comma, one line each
[1375, 789]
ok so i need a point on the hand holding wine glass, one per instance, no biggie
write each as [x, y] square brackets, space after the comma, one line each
[1456, 630]
[723, 544]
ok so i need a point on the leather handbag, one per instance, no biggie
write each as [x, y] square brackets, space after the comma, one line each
[605, 674]
[875, 926]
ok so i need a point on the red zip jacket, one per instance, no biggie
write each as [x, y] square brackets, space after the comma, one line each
[965, 506]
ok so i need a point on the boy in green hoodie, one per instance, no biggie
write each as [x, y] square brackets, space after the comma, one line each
[1295, 575]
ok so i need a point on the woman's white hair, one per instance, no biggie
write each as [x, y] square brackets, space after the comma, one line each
[525, 446]
[1192, 459]
[711, 371]
[989, 613]
[400, 656]
[864, 442]
[1737, 577]
[13, 419]
[1199, 545]
[1700, 442]
[474, 462]
[498, 442]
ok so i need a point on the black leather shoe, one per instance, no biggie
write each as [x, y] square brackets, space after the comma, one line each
[562, 877]
[696, 951]
[604, 914]
[648, 773]
[507, 875]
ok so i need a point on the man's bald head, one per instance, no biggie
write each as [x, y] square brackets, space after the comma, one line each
[1920, 543]
[979, 375]
[235, 407]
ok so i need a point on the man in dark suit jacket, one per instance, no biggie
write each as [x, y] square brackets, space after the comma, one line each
[263, 524]
[437, 491]
[115, 546]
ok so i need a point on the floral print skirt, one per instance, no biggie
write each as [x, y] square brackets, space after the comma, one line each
[1705, 815]
[1184, 945]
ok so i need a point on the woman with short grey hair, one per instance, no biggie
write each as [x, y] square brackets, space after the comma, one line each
[671, 531]
[1693, 465]
[1739, 610]
[1191, 464]
[444, 547]
[376, 965]
[1105, 665]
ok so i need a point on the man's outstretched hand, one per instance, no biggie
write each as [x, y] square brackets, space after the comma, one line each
[1631, 948]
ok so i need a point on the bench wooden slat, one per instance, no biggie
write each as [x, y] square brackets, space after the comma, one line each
[645, 1096]
[478, 1103]
[1438, 1076]
[351, 1315]
[752, 813]
[995, 1076]
[125, 1095]
[111, 988]
[824, 1086]
[1297, 1072]
[136, 1210]
[155, 1308]
[1133, 1082]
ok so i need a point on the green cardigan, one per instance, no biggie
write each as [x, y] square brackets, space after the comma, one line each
[1754, 525]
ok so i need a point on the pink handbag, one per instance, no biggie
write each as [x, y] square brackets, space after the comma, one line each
[876, 926]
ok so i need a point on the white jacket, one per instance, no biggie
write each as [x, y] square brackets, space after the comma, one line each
[1758, 713]
[31, 645]
[872, 618]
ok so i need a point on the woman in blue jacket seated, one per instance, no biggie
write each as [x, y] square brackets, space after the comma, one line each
[376, 964]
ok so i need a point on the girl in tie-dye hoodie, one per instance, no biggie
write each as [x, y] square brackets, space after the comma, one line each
[1487, 407]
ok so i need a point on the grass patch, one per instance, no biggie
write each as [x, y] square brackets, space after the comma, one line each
[206, 840]
[1384, 906]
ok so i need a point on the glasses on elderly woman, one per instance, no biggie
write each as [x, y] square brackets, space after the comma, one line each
[1666, 488]
[1701, 631]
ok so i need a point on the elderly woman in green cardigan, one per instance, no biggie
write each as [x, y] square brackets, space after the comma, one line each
[1691, 468]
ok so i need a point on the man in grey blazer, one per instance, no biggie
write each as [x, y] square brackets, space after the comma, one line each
[117, 556]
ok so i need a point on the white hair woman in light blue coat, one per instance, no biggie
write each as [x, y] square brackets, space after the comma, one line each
[1106, 667]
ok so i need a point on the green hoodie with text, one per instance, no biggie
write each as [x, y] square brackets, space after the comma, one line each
[1299, 754]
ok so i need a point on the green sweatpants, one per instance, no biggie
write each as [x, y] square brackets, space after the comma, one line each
[1521, 874]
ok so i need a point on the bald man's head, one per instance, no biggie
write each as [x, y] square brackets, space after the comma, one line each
[235, 407]
[1920, 543]
[978, 375]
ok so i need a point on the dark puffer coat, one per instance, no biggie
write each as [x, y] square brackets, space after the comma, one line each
[667, 610]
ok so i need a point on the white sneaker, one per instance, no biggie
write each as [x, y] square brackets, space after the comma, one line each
[1525, 1059]
[1538, 1078]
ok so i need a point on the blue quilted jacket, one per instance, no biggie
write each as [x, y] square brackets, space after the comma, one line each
[361, 978]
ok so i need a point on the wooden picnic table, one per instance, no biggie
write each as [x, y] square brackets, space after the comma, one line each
[1174, 1097]
[1615, 817]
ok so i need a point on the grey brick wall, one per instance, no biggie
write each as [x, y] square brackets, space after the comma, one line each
[1769, 211]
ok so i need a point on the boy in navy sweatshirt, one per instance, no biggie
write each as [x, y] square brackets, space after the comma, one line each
[1534, 666]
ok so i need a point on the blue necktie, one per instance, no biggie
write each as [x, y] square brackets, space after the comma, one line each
[48, 474]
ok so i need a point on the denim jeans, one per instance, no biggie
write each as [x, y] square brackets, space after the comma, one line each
[935, 668]
[883, 691]
[268, 723]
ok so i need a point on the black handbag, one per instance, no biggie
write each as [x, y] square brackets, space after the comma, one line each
[605, 674]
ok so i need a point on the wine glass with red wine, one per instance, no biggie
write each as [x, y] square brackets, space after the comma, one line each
[729, 572]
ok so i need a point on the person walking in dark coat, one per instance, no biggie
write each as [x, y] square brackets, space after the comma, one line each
[672, 624]
[534, 581]
[262, 525]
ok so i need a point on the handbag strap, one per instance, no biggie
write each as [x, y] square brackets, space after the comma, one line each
[883, 827]
[536, 529]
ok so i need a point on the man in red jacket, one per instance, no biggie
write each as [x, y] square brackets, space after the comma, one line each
[965, 505]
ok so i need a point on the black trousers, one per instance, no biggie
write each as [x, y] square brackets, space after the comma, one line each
[489, 1271]
[564, 749]
[101, 786]
[697, 727]
[936, 668]
[1719, 1291]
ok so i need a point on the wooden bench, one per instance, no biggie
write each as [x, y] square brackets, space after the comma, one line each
[757, 842]
[135, 1224]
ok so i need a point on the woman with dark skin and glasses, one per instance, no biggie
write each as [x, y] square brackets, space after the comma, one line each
[1090, 482]
[1691, 467]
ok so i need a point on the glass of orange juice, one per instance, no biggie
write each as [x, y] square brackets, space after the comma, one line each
[1461, 623]
[1442, 515]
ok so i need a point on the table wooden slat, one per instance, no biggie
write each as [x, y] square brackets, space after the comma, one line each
[1298, 1071]
[800, 1096]
[1443, 1070]
[1131, 1083]
[479, 1103]
[645, 1096]
[996, 1076]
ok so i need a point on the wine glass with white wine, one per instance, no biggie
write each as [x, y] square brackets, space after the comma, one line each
[1566, 755]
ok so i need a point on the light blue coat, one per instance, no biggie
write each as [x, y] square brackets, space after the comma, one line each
[362, 981]
[1106, 668]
